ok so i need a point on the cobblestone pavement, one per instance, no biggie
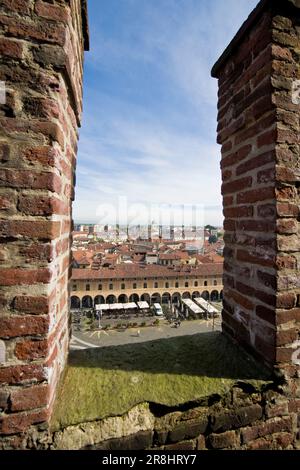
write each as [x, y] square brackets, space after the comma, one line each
[87, 339]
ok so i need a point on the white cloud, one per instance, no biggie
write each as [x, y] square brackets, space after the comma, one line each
[153, 154]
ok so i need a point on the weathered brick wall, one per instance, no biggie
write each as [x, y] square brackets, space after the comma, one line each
[239, 420]
[259, 132]
[41, 46]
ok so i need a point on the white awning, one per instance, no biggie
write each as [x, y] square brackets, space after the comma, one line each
[192, 306]
[143, 305]
[116, 306]
[102, 307]
[130, 305]
[206, 305]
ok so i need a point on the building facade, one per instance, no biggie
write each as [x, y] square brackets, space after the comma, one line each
[131, 283]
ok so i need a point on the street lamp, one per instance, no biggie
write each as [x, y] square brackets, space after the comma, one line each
[100, 314]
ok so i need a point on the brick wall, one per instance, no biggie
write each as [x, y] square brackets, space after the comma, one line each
[258, 128]
[41, 46]
[239, 420]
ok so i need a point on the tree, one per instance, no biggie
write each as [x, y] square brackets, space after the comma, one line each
[209, 227]
[212, 239]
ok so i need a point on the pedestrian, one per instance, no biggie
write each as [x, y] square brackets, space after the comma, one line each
[138, 333]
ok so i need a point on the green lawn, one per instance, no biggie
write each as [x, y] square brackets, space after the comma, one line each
[109, 381]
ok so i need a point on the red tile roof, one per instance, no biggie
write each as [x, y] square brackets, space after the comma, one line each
[121, 271]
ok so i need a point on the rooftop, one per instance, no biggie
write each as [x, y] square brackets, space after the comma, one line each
[135, 271]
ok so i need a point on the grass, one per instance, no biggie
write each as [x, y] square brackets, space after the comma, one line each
[109, 381]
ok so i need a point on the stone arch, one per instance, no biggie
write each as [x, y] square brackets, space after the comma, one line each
[99, 299]
[87, 302]
[176, 298]
[186, 295]
[75, 302]
[205, 295]
[195, 295]
[111, 299]
[134, 298]
[156, 298]
[145, 298]
[123, 299]
[166, 298]
[214, 296]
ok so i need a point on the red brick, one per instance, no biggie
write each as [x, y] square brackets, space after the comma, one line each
[255, 162]
[286, 193]
[6, 203]
[285, 209]
[256, 195]
[45, 230]
[45, 155]
[294, 405]
[13, 277]
[266, 314]
[13, 326]
[40, 30]
[281, 53]
[30, 179]
[287, 226]
[266, 176]
[251, 132]
[286, 157]
[288, 136]
[285, 337]
[285, 316]
[41, 107]
[19, 422]
[255, 226]
[41, 205]
[266, 260]
[29, 398]
[224, 440]
[267, 279]
[229, 224]
[49, 129]
[11, 48]
[236, 185]
[244, 289]
[239, 211]
[267, 211]
[287, 175]
[226, 147]
[17, 6]
[31, 350]
[227, 201]
[286, 262]
[284, 354]
[52, 12]
[239, 299]
[14, 375]
[37, 252]
[33, 305]
[286, 300]
[268, 138]
[236, 157]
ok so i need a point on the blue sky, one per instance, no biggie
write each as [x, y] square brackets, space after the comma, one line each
[150, 105]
